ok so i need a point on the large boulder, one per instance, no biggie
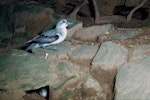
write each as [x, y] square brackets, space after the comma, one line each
[92, 33]
[132, 81]
[84, 52]
[21, 71]
[138, 53]
[55, 52]
[110, 56]
[5, 28]
[33, 17]
[70, 79]
[120, 34]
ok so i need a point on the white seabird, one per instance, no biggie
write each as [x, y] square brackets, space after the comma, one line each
[43, 92]
[53, 36]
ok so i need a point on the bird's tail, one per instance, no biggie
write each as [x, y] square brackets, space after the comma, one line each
[32, 46]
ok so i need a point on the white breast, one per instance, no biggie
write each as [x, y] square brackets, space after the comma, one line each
[62, 35]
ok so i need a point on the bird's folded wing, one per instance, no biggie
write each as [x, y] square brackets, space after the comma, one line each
[42, 39]
[32, 39]
[50, 34]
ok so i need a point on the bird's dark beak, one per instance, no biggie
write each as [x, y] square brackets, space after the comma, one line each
[70, 23]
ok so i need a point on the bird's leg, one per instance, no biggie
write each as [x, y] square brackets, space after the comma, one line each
[46, 55]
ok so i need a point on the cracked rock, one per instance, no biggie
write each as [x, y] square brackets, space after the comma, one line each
[132, 81]
[110, 56]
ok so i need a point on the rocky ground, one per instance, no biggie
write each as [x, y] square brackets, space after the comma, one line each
[95, 62]
[101, 62]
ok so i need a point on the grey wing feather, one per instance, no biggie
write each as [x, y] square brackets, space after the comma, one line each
[48, 36]
[31, 46]
[50, 32]
[42, 39]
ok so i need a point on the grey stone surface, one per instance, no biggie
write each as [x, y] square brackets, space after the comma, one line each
[121, 34]
[33, 17]
[18, 65]
[65, 70]
[21, 71]
[140, 52]
[76, 25]
[62, 51]
[5, 13]
[109, 19]
[71, 77]
[133, 82]
[84, 52]
[92, 33]
[110, 56]
[104, 10]
[125, 35]
[90, 82]
[20, 30]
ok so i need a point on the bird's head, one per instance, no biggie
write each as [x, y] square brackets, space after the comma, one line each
[63, 23]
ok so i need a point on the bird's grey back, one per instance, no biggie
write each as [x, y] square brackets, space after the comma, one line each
[50, 33]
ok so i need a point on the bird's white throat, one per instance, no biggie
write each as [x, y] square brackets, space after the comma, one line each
[62, 31]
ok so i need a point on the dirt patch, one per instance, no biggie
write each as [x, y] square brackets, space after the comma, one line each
[106, 78]
[33, 96]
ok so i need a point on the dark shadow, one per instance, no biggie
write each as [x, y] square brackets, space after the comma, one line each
[24, 48]
[123, 10]
[92, 10]
[47, 88]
